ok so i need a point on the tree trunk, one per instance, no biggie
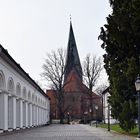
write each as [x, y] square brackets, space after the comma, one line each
[61, 113]
[91, 107]
[61, 117]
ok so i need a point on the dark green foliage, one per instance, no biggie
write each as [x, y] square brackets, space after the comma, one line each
[121, 41]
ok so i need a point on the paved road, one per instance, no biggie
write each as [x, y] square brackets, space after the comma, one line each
[65, 132]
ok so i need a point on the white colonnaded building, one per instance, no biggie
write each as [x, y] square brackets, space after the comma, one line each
[23, 104]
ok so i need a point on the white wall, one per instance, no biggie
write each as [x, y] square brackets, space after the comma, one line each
[16, 106]
[105, 109]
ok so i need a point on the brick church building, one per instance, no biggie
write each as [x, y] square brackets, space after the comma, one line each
[76, 92]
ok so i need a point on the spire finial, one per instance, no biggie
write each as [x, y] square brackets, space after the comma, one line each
[70, 17]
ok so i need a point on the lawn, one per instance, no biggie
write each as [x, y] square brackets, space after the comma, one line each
[116, 127]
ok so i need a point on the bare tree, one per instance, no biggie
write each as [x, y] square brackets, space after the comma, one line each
[54, 68]
[92, 67]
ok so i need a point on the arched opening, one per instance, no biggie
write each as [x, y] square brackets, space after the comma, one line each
[2, 80]
[29, 96]
[24, 93]
[2, 101]
[10, 85]
[11, 103]
[18, 89]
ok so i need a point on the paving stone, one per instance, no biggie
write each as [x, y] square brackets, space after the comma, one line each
[65, 132]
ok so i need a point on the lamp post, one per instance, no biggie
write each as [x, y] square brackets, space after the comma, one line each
[85, 117]
[96, 108]
[137, 85]
[68, 118]
[108, 117]
[90, 114]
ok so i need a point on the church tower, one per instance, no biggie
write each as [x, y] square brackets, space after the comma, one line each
[72, 58]
[76, 100]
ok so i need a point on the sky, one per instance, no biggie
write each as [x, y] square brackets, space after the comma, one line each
[31, 28]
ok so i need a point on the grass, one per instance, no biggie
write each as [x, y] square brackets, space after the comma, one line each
[116, 128]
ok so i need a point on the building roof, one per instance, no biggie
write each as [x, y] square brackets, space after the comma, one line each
[72, 59]
[106, 90]
[7, 57]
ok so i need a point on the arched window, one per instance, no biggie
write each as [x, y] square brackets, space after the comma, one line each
[2, 80]
[24, 92]
[18, 89]
[10, 85]
[36, 99]
[29, 95]
[33, 97]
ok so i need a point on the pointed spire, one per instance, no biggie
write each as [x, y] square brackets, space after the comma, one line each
[72, 60]
[70, 18]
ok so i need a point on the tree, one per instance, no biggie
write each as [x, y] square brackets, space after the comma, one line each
[120, 38]
[54, 68]
[92, 67]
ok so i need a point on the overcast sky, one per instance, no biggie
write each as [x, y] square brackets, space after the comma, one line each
[31, 28]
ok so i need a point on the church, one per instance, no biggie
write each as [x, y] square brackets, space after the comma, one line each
[23, 104]
[76, 98]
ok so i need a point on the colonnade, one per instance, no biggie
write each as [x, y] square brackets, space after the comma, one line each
[17, 113]
[23, 104]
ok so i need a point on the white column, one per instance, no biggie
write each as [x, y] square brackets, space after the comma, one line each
[28, 114]
[24, 114]
[37, 115]
[17, 113]
[26, 106]
[3, 111]
[41, 116]
[14, 112]
[21, 114]
[34, 111]
[46, 115]
[32, 115]
[30, 108]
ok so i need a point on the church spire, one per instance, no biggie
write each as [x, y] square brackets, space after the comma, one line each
[72, 60]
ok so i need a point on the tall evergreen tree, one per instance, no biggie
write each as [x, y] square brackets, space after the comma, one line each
[121, 36]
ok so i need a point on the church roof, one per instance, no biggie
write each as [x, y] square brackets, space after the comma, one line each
[72, 60]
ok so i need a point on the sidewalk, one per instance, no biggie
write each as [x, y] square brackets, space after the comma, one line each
[115, 135]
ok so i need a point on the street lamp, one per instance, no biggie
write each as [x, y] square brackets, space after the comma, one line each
[137, 85]
[108, 117]
[96, 108]
[85, 117]
[68, 118]
[90, 114]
